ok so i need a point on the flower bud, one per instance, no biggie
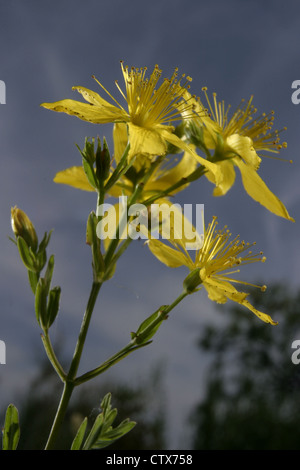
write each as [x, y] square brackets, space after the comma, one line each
[23, 227]
[102, 161]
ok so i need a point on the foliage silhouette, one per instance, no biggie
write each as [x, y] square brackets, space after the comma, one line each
[251, 397]
[141, 402]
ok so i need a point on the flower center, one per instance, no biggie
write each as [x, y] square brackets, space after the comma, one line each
[242, 122]
[149, 104]
[220, 254]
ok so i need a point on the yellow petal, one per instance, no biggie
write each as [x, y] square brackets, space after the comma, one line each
[258, 190]
[263, 316]
[228, 180]
[184, 168]
[220, 291]
[243, 146]
[173, 139]
[146, 142]
[169, 221]
[75, 177]
[202, 118]
[92, 97]
[215, 294]
[120, 138]
[87, 112]
[167, 255]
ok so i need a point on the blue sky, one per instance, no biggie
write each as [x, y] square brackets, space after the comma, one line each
[236, 48]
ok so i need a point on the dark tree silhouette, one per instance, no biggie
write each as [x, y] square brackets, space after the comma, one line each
[142, 402]
[252, 394]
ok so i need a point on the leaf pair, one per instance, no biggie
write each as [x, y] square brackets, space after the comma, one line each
[102, 433]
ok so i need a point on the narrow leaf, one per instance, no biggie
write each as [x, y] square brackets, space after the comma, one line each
[78, 440]
[11, 431]
[53, 305]
[26, 254]
[102, 433]
[41, 302]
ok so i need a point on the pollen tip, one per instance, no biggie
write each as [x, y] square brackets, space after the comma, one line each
[263, 288]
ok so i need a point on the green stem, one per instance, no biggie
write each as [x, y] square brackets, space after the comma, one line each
[132, 345]
[124, 219]
[52, 357]
[69, 381]
[64, 401]
[83, 330]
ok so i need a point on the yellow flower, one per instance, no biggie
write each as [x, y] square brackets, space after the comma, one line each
[213, 264]
[150, 110]
[238, 141]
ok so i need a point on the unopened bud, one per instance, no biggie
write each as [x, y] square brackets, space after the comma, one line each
[23, 227]
[102, 161]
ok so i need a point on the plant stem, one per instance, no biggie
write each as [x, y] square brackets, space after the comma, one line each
[83, 330]
[59, 417]
[130, 347]
[52, 357]
[69, 383]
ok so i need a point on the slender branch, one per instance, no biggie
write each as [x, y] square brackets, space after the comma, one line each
[133, 345]
[52, 357]
[83, 330]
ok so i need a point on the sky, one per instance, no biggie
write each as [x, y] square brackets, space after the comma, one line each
[236, 48]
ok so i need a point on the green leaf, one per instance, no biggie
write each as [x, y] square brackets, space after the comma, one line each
[102, 433]
[11, 431]
[41, 294]
[41, 253]
[49, 272]
[90, 173]
[94, 242]
[53, 305]
[149, 327]
[27, 255]
[120, 169]
[78, 440]
[33, 279]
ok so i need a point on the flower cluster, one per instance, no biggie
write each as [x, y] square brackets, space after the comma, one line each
[166, 138]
